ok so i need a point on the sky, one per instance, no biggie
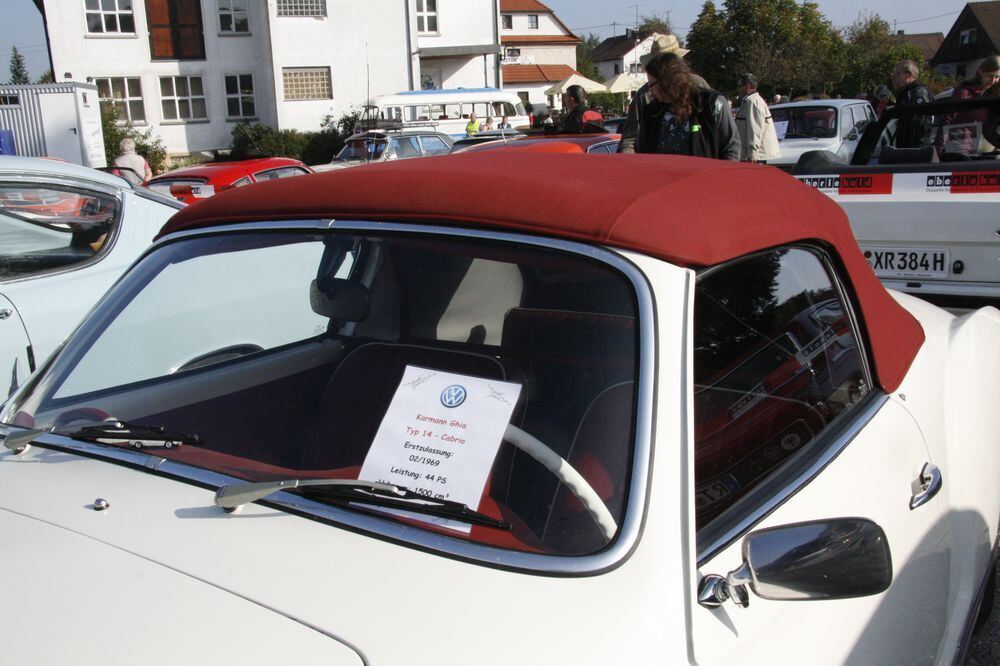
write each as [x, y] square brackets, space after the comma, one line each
[21, 25]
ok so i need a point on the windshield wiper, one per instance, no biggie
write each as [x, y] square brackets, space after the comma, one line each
[134, 434]
[233, 496]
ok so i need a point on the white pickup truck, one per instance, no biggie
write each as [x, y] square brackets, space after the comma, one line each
[922, 193]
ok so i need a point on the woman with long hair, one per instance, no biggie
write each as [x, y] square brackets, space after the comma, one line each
[677, 117]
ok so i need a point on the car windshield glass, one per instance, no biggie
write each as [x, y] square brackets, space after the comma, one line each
[806, 122]
[44, 227]
[455, 367]
[362, 149]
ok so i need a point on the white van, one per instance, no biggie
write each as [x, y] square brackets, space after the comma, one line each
[448, 110]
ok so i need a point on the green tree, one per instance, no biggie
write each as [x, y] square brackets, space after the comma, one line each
[146, 144]
[583, 62]
[654, 23]
[46, 77]
[786, 46]
[18, 70]
[708, 43]
[871, 53]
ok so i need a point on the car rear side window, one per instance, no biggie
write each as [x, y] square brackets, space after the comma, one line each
[47, 228]
[776, 360]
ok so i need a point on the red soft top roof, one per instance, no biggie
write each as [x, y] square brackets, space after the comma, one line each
[689, 211]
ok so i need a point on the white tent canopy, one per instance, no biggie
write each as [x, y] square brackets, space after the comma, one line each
[576, 80]
[624, 83]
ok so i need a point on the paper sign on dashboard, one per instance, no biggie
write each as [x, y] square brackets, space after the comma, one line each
[440, 435]
[781, 128]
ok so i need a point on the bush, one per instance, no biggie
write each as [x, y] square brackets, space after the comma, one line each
[149, 146]
[309, 147]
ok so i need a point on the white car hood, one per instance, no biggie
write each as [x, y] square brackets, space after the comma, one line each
[164, 574]
[336, 166]
[72, 599]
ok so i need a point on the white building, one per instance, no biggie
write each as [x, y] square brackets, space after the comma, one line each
[538, 50]
[458, 44]
[191, 69]
[622, 53]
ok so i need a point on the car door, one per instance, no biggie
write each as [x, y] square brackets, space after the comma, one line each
[790, 429]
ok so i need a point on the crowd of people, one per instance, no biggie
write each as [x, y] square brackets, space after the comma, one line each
[677, 112]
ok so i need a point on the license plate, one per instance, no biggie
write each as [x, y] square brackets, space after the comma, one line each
[890, 262]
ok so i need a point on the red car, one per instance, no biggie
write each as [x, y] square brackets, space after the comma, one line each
[190, 184]
[554, 143]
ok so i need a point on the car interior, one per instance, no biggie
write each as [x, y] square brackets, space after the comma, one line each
[560, 326]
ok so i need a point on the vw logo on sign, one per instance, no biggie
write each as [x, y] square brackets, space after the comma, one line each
[453, 396]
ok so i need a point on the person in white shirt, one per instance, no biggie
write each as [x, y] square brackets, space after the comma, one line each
[758, 139]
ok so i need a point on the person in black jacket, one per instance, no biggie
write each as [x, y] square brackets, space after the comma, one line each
[575, 102]
[915, 131]
[678, 117]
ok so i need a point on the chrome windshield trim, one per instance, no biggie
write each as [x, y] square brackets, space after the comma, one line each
[788, 488]
[555, 565]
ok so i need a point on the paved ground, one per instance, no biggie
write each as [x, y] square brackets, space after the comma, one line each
[985, 647]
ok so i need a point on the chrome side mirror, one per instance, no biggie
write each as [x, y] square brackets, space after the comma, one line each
[827, 559]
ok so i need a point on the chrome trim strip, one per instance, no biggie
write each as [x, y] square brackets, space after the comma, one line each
[830, 452]
[631, 526]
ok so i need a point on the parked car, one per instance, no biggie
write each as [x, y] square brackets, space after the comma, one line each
[615, 124]
[924, 214]
[200, 181]
[601, 144]
[484, 137]
[66, 233]
[834, 125]
[427, 418]
[388, 144]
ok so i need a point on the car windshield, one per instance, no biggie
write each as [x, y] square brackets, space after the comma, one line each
[44, 227]
[366, 148]
[436, 363]
[805, 122]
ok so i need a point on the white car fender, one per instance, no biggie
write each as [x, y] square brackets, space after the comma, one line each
[972, 411]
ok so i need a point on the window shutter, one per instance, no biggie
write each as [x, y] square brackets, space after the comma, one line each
[175, 30]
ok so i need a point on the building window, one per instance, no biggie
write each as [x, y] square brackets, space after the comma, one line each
[533, 21]
[960, 71]
[175, 29]
[427, 16]
[10, 100]
[967, 36]
[124, 94]
[618, 68]
[239, 96]
[109, 16]
[506, 21]
[233, 16]
[301, 7]
[182, 98]
[307, 83]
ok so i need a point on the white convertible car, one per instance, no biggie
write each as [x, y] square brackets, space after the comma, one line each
[66, 234]
[414, 423]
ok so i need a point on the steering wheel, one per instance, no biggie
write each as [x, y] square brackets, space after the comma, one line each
[568, 475]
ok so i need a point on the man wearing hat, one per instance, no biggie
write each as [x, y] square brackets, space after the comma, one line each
[643, 96]
[758, 139]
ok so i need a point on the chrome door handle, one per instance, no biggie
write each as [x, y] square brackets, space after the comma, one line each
[926, 486]
[4, 313]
